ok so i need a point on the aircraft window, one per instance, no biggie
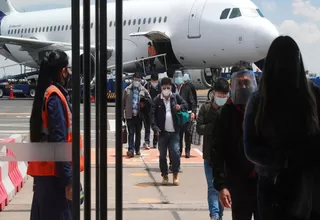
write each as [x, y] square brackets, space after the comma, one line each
[129, 22]
[91, 25]
[43, 29]
[249, 12]
[124, 22]
[39, 29]
[29, 30]
[134, 22]
[36, 30]
[144, 20]
[225, 13]
[32, 30]
[18, 31]
[47, 29]
[260, 13]
[25, 30]
[110, 24]
[15, 31]
[62, 27]
[139, 21]
[58, 28]
[154, 20]
[235, 13]
[21, 31]
[160, 19]
[55, 28]
[8, 31]
[165, 19]
[149, 20]
[50, 28]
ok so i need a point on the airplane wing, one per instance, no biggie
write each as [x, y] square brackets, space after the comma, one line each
[34, 46]
[152, 35]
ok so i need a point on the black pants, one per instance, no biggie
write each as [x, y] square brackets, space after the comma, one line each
[186, 130]
[269, 195]
[244, 200]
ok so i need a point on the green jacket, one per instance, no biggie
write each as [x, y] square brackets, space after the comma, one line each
[206, 121]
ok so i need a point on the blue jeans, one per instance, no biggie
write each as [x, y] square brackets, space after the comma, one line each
[134, 127]
[169, 140]
[215, 208]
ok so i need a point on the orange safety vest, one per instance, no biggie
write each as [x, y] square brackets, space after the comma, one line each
[151, 51]
[48, 168]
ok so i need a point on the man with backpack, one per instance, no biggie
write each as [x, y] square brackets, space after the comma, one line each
[166, 123]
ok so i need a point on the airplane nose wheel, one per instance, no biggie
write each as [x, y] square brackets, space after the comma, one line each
[32, 93]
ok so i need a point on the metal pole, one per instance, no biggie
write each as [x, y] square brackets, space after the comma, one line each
[75, 109]
[119, 192]
[103, 111]
[87, 108]
[97, 92]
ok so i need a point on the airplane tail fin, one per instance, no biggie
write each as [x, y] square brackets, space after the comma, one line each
[6, 8]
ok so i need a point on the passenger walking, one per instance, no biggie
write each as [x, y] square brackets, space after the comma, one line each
[234, 175]
[185, 91]
[165, 125]
[206, 126]
[136, 104]
[154, 89]
[281, 136]
[187, 80]
[51, 122]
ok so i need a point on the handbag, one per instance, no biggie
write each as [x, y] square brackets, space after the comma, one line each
[195, 137]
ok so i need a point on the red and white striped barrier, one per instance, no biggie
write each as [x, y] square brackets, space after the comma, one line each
[13, 174]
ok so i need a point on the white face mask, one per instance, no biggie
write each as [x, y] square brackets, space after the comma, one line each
[220, 101]
[136, 83]
[166, 92]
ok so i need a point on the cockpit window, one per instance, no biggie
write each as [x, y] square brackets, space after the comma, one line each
[225, 13]
[249, 12]
[235, 13]
[260, 13]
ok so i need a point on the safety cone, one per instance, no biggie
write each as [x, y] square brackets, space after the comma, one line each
[11, 93]
[92, 99]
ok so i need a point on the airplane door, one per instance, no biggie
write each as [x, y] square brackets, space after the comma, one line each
[195, 18]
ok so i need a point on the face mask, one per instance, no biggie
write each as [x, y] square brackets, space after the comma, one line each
[166, 92]
[241, 96]
[136, 83]
[178, 81]
[220, 101]
[154, 84]
[67, 81]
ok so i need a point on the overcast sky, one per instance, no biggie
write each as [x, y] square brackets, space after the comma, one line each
[297, 18]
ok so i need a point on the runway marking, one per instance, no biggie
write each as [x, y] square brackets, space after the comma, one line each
[149, 200]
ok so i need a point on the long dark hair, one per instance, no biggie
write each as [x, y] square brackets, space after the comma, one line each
[49, 73]
[286, 100]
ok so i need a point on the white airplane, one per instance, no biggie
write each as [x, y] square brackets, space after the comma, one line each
[194, 34]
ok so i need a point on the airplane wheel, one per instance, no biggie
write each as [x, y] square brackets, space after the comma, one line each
[1, 93]
[32, 93]
[210, 93]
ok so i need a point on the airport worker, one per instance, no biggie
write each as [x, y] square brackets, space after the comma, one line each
[166, 125]
[51, 122]
[185, 91]
[154, 89]
[151, 52]
[206, 126]
[234, 175]
[136, 103]
[283, 141]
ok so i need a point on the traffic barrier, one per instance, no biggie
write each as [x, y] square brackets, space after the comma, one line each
[92, 99]
[13, 174]
[11, 93]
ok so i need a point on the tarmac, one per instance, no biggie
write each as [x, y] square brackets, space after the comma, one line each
[143, 195]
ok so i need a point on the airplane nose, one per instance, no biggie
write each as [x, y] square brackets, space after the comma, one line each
[264, 36]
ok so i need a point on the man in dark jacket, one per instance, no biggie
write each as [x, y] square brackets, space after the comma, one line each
[136, 103]
[185, 91]
[165, 124]
[206, 121]
[154, 89]
[234, 175]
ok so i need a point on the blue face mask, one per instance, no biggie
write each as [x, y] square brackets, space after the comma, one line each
[220, 101]
[178, 80]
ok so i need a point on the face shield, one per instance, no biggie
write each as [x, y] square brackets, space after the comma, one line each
[177, 77]
[243, 84]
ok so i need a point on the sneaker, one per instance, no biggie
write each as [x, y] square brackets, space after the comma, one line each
[175, 179]
[138, 153]
[165, 180]
[146, 146]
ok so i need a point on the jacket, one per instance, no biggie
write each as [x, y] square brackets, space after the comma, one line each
[158, 112]
[206, 123]
[187, 94]
[230, 165]
[57, 127]
[153, 91]
[144, 97]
